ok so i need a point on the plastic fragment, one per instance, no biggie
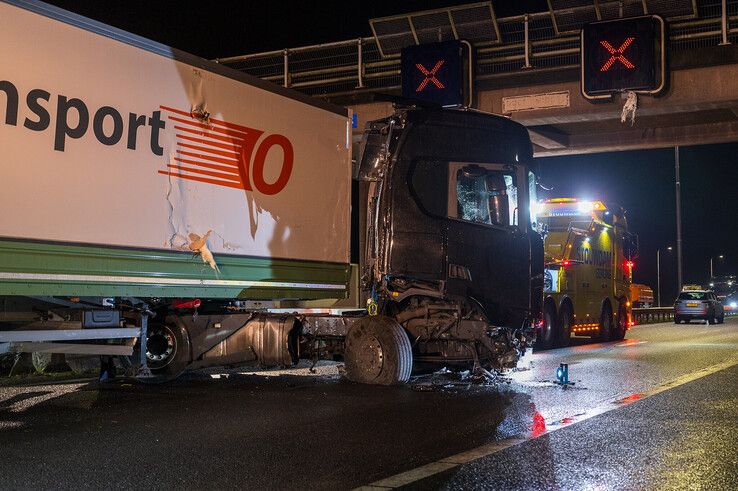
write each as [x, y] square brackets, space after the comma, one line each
[199, 245]
[629, 108]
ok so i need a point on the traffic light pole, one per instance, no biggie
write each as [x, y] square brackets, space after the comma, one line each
[678, 219]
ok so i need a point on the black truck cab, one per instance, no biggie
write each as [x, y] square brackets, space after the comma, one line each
[449, 233]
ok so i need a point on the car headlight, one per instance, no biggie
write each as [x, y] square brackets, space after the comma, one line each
[733, 305]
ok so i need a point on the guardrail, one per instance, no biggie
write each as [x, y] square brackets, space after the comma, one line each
[526, 42]
[653, 315]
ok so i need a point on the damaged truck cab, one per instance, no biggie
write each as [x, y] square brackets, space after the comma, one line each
[450, 250]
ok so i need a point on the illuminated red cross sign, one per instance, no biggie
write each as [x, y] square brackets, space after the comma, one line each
[617, 54]
[430, 76]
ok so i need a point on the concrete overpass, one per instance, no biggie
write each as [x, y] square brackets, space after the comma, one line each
[534, 78]
[700, 107]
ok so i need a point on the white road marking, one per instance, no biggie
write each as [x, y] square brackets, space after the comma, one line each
[442, 465]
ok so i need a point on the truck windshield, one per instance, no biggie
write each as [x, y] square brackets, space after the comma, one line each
[693, 296]
[486, 194]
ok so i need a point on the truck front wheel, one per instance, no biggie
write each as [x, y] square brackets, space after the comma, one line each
[547, 334]
[378, 352]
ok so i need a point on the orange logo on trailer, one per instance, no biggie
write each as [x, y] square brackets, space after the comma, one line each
[226, 154]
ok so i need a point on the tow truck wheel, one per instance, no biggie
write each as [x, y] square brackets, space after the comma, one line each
[167, 352]
[547, 334]
[378, 352]
[605, 322]
[621, 324]
[721, 319]
[565, 322]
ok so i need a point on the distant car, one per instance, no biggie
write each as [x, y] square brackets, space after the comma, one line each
[698, 304]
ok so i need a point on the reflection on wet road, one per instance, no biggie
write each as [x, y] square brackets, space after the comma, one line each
[617, 427]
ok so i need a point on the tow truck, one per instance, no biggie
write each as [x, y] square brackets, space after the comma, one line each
[589, 259]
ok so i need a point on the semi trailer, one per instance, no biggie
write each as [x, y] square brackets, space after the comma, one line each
[178, 214]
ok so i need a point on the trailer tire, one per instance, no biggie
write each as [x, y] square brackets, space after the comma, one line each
[565, 323]
[378, 352]
[167, 352]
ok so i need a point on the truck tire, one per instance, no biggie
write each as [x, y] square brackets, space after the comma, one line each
[565, 322]
[620, 327]
[547, 335]
[378, 352]
[167, 352]
[604, 332]
[721, 319]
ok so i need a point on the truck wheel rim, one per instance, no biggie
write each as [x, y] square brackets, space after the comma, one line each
[161, 346]
[370, 358]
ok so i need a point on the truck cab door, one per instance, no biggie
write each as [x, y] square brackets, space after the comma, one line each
[486, 241]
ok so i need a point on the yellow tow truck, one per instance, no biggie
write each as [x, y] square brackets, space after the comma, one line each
[589, 254]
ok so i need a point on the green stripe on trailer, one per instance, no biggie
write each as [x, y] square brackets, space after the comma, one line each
[52, 269]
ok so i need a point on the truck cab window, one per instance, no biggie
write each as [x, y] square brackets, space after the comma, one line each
[485, 194]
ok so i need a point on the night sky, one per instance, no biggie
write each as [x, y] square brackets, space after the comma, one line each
[642, 181]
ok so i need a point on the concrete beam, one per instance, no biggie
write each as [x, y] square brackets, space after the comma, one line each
[549, 140]
[690, 90]
[636, 139]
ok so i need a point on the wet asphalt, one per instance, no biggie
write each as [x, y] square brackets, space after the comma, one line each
[292, 429]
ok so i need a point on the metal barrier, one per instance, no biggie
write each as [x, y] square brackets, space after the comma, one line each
[653, 315]
[659, 314]
[527, 42]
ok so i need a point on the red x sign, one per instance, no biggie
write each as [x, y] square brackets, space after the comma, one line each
[430, 76]
[617, 54]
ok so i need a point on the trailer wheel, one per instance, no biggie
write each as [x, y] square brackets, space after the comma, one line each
[167, 351]
[621, 326]
[547, 334]
[378, 352]
[565, 322]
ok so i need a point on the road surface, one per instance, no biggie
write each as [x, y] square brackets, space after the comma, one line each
[657, 411]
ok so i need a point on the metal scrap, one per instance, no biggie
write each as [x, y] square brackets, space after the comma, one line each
[199, 245]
